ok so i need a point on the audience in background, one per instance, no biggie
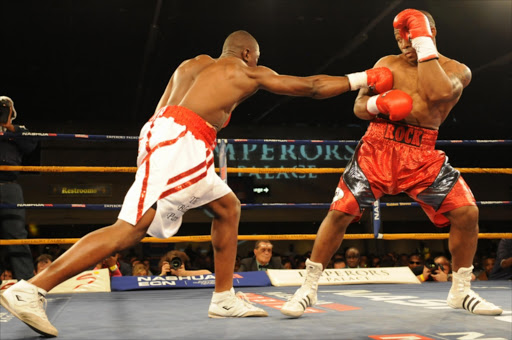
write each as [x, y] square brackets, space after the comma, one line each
[352, 258]
[262, 259]
[416, 265]
[403, 260]
[300, 262]
[438, 269]
[442, 270]
[502, 269]
[237, 263]
[387, 260]
[112, 264]
[374, 261]
[42, 262]
[363, 261]
[286, 262]
[339, 263]
[175, 262]
[488, 265]
[6, 274]
[140, 270]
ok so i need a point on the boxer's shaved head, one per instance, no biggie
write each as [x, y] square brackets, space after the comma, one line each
[430, 19]
[237, 41]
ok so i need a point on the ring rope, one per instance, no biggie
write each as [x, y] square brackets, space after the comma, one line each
[51, 135]
[507, 171]
[307, 237]
[243, 205]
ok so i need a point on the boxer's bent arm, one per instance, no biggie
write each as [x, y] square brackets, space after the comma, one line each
[360, 104]
[439, 85]
[364, 94]
[318, 86]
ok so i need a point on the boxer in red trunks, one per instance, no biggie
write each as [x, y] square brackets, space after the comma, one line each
[197, 102]
[397, 155]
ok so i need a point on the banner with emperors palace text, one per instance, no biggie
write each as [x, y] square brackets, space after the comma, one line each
[295, 277]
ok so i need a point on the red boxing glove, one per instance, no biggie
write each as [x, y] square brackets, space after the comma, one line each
[380, 79]
[412, 22]
[414, 25]
[396, 103]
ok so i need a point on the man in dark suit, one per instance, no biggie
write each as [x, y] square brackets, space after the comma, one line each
[262, 259]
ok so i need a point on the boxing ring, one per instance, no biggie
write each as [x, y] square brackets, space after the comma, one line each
[355, 311]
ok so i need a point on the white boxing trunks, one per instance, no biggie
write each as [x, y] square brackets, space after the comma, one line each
[175, 169]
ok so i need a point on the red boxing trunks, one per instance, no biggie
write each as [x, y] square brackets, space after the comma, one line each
[392, 158]
[175, 169]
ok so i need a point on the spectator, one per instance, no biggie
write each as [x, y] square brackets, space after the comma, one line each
[262, 259]
[352, 257]
[502, 269]
[488, 264]
[478, 267]
[442, 271]
[112, 264]
[416, 265]
[403, 260]
[387, 260]
[54, 250]
[300, 262]
[147, 264]
[174, 263]
[337, 257]
[237, 263]
[125, 268]
[286, 262]
[375, 261]
[12, 221]
[291, 251]
[363, 261]
[42, 262]
[6, 275]
[339, 263]
[139, 270]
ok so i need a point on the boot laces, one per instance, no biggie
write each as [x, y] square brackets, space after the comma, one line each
[42, 306]
[245, 300]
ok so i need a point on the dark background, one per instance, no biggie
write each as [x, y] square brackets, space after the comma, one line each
[87, 66]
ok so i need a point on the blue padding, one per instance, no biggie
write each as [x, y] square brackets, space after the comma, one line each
[243, 279]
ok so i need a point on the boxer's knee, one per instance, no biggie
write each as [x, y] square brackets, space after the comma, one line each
[339, 219]
[226, 208]
[464, 218]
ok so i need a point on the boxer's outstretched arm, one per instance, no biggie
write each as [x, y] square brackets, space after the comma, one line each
[318, 86]
[321, 86]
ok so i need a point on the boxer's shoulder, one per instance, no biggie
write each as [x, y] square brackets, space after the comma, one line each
[388, 61]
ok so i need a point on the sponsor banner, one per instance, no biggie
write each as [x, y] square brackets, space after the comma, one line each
[242, 279]
[89, 281]
[295, 277]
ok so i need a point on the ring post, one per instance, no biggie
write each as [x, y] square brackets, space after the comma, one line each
[223, 160]
[376, 218]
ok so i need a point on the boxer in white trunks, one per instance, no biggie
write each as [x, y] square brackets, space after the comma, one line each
[176, 172]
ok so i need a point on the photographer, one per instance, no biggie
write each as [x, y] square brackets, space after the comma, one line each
[173, 263]
[12, 221]
[440, 269]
